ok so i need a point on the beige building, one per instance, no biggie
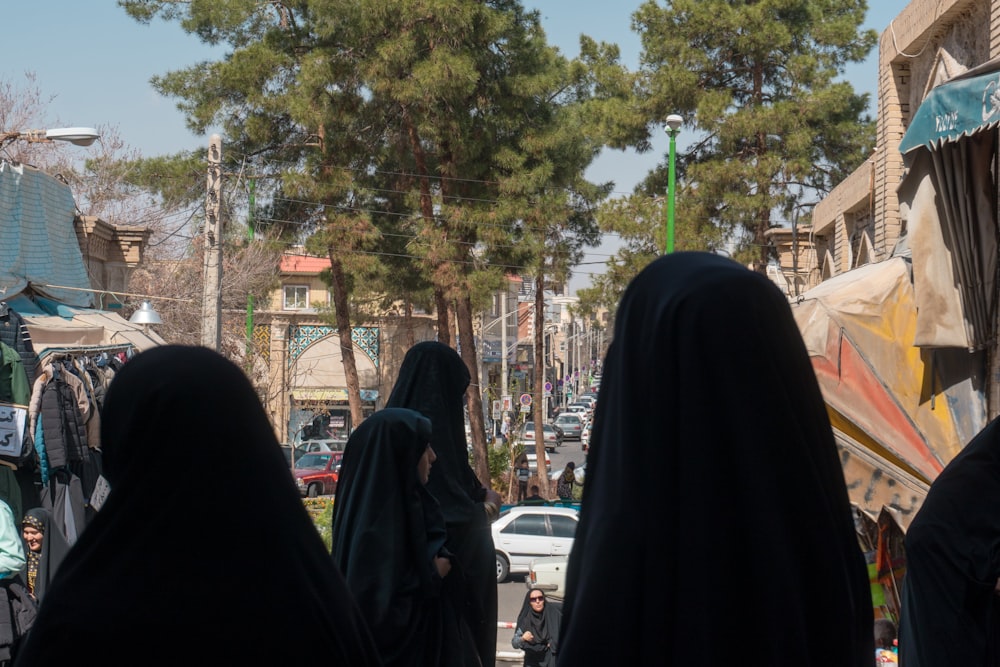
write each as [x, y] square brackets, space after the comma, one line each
[306, 395]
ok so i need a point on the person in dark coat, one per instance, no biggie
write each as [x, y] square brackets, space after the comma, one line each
[45, 547]
[432, 380]
[202, 551]
[713, 479]
[537, 631]
[388, 540]
[951, 592]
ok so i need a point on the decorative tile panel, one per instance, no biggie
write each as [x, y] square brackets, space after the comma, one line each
[301, 337]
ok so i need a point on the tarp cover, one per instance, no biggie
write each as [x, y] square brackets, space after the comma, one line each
[948, 202]
[911, 409]
[38, 245]
[78, 329]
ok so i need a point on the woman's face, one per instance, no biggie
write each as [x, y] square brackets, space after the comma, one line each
[537, 600]
[32, 537]
[424, 464]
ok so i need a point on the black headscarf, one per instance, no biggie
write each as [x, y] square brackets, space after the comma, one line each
[432, 380]
[160, 576]
[951, 613]
[386, 530]
[41, 567]
[713, 479]
[544, 626]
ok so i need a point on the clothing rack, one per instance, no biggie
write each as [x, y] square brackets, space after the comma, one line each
[57, 353]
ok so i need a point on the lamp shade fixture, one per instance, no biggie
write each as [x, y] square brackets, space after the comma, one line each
[145, 315]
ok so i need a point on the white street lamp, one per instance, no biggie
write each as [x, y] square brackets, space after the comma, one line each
[78, 136]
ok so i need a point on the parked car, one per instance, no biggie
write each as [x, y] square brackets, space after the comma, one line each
[316, 473]
[533, 460]
[548, 574]
[324, 445]
[581, 409]
[523, 533]
[572, 425]
[553, 436]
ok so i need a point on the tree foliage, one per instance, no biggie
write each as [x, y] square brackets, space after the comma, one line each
[767, 119]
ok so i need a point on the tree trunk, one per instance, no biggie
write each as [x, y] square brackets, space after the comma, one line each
[410, 338]
[342, 313]
[441, 305]
[474, 394]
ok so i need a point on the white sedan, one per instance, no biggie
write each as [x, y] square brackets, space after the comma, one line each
[525, 532]
[548, 574]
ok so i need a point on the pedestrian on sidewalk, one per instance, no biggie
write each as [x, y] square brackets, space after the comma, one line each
[164, 574]
[537, 632]
[523, 475]
[433, 380]
[388, 540]
[713, 459]
[950, 611]
[566, 482]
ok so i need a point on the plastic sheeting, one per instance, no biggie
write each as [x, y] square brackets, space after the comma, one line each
[38, 244]
[900, 412]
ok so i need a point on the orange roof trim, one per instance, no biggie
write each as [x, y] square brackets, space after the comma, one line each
[303, 264]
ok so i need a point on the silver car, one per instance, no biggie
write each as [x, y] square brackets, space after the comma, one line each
[572, 425]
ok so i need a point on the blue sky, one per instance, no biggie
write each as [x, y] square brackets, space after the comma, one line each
[96, 63]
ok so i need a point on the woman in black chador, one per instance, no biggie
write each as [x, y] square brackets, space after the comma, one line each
[203, 552]
[537, 631]
[951, 592]
[388, 540]
[713, 480]
[432, 380]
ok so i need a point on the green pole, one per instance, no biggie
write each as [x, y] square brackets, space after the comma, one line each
[673, 127]
[250, 223]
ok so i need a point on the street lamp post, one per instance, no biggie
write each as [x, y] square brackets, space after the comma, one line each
[78, 136]
[673, 127]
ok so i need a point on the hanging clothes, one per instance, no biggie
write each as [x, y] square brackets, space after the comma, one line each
[14, 332]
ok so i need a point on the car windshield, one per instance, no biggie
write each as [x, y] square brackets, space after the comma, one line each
[313, 461]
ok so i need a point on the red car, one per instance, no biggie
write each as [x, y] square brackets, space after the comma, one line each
[316, 473]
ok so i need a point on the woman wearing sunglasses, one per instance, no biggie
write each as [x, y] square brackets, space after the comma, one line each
[537, 632]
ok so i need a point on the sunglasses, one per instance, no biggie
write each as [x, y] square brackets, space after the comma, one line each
[536, 598]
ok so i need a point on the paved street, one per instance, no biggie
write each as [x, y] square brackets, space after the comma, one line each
[510, 596]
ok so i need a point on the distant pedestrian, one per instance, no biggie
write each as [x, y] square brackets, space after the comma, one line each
[744, 484]
[44, 547]
[566, 482]
[523, 475]
[537, 632]
[885, 642]
[534, 498]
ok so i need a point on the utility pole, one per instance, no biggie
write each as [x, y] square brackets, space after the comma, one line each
[211, 311]
[250, 224]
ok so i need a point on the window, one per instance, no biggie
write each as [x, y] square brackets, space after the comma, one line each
[562, 526]
[529, 524]
[296, 297]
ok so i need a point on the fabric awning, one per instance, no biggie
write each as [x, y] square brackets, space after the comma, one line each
[966, 104]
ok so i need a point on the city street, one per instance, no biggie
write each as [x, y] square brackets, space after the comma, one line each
[510, 594]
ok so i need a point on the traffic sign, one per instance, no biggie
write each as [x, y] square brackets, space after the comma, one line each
[525, 399]
[548, 386]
